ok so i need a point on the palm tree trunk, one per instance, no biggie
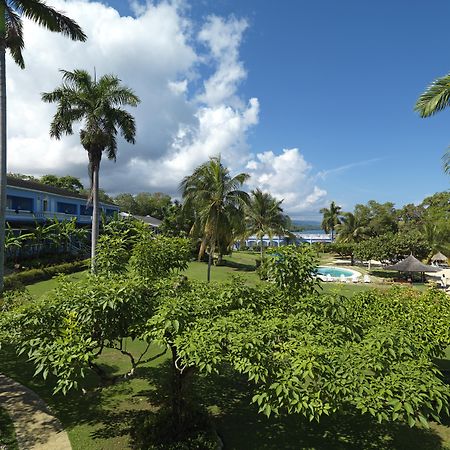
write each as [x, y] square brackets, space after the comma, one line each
[210, 260]
[95, 214]
[2, 142]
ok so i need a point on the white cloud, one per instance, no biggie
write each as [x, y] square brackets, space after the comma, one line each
[287, 176]
[158, 54]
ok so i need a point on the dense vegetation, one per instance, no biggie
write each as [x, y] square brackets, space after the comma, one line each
[301, 351]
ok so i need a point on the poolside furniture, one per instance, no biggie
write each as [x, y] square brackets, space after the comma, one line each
[329, 277]
[348, 280]
[342, 278]
[367, 279]
[355, 278]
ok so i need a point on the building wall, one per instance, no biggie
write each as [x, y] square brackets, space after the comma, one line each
[26, 205]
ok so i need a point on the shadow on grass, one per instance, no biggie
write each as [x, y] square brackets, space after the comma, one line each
[241, 267]
[241, 427]
[108, 412]
[115, 411]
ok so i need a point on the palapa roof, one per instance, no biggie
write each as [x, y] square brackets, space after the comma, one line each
[412, 264]
[439, 257]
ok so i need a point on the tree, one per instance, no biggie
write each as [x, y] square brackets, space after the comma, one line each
[98, 105]
[11, 37]
[67, 182]
[435, 99]
[303, 352]
[126, 202]
[264, 216]
[330, 218]
[215, 198]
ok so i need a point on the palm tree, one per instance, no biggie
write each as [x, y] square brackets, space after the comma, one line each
[264, 216]
[11, 37]
[349, 230]
[435, 99]
[98, 105]
[214, 195]
[330, 218]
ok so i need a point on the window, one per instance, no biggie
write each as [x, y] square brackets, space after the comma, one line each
[19, 203]
[86, 210]
[44, 205]
[67, 208]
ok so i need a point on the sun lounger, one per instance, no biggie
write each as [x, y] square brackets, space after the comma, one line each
[355, 278]
[367, 279]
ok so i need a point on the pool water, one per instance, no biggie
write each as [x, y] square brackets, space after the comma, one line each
[335, 272]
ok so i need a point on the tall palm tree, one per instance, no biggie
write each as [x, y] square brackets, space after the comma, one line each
[435, 99]
[216, 198]
[11, 37]
[330, 218]
[98, 105]
[264, 215]
[349, 230]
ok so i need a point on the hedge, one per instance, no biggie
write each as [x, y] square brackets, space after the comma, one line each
[20, 279]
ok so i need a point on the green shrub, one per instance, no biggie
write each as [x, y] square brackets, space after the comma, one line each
[20, 279]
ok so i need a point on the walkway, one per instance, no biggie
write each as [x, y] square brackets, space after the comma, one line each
[36, 428]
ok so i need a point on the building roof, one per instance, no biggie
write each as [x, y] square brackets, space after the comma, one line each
[36, 186]
[153, 221]
[439, 257]
[412, 264]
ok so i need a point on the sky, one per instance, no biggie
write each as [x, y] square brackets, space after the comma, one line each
[315, 100]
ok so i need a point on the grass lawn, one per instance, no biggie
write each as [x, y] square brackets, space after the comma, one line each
[7, 435]
[102, 419]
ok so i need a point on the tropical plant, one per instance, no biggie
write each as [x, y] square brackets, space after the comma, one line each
[11, 37]
[215, 197]
[330, 218]
[264, 216]
[98, 105]
[435, 99]
[349, 230]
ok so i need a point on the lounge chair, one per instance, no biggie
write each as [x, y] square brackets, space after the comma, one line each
[329, 277]
[342, 278]
[367, 279]
[355, 278]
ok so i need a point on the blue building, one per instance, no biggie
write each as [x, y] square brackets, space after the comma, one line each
[29, 201]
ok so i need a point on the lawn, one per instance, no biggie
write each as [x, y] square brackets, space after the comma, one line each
[104, 418]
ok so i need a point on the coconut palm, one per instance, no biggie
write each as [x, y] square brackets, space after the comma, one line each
[349, 230]
[215, 197]
[98, 106]
[11, 37]
[264, 216]
[435, 99]
[330, 218]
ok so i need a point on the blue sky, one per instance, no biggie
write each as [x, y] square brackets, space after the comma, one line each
[338, 81]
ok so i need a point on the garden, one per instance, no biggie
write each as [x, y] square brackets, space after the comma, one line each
[143, 355]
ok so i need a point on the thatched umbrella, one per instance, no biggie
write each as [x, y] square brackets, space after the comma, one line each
[439, 257]
[411, 265]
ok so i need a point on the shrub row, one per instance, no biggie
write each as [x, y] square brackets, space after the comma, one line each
[21, 279]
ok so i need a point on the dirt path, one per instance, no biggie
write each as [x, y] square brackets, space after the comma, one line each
[36, 428]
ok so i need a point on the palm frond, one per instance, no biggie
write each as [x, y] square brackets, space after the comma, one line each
[14, 36]
[46, 16]
[435, 98]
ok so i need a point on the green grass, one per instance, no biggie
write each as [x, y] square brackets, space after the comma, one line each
[7, 434]
[104, 418]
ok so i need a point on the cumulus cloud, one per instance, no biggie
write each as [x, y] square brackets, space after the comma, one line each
[184, 116]
[289, 177]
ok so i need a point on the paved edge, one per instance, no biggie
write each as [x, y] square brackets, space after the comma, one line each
[35, 426]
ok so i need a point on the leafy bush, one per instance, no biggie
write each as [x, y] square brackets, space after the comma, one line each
[292, 269]
[18, 280]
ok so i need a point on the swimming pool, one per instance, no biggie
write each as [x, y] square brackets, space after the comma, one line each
[336, 272]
